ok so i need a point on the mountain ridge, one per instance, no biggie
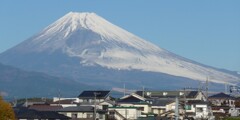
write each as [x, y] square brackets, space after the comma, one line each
[15, 82]
[81, 40]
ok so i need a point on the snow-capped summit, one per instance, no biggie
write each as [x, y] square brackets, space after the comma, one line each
[93, 41]
[55, 35]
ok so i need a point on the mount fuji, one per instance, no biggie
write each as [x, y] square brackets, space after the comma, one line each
[87, 48]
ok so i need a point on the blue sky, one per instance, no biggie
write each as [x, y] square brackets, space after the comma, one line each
[207, 31]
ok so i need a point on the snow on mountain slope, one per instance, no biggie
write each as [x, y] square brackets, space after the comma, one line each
[95, 41]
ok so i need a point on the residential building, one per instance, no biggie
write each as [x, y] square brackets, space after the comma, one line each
[222, 104]
[162, 106]
[90, 96]
[134, 100]
[197, 109]
[222, 99]
[124, 113]
[181, 94]
[64, 103]
[82, 112]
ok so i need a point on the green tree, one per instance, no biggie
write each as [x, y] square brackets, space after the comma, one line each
[6, 111]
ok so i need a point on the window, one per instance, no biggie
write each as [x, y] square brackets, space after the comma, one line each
[165, 93]
[141, 108]
[199, 110]
[74, 115]
[111, 112]
[89, 115]
[188, 107]
[100, 116]
[105, 107]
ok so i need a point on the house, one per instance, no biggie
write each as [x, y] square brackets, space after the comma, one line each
[160, 107]
[181, 94]
[29, 102]
[222, 99]
[59, 98]
[30, 114]
[82, 112]
[222, 104]
[164, 102]
[105, 105]
[134, 100]
[124, 113]
[64, 103]
[90, 96]
[197, 109]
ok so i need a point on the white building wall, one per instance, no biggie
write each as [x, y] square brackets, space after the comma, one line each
[129, 113]
[146, 108]
[203, 113]
[57, 99]
[170, 106]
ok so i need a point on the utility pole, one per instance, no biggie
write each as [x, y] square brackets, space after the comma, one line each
[15, 101]
[176, 109]
[207, 88]
[59, 95]
[226, 91]
[95, 105]
[124, 89]
[185, 102]
[26, 102]
[143, 92]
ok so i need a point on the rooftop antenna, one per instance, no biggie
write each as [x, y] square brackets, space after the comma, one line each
[59, 95]
[185, 102]
[200, 86]
[176, 109]
[207, 88]
[226, 87]
[15, 101]
[26, 102]
[124, 89]
[143, 92]
[95, 104]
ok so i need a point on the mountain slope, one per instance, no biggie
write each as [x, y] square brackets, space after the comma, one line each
[80, 42]
[18, 83]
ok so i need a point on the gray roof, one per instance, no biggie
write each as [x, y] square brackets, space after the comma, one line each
[159, 102]
[77, 109]
[168, 94]
[221, 96]
[25, 113]
[197, 102]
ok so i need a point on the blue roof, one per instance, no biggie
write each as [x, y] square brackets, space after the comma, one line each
[160, 102]
[221, 96]
[90, 94]
[25, 113]
[130, 99]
